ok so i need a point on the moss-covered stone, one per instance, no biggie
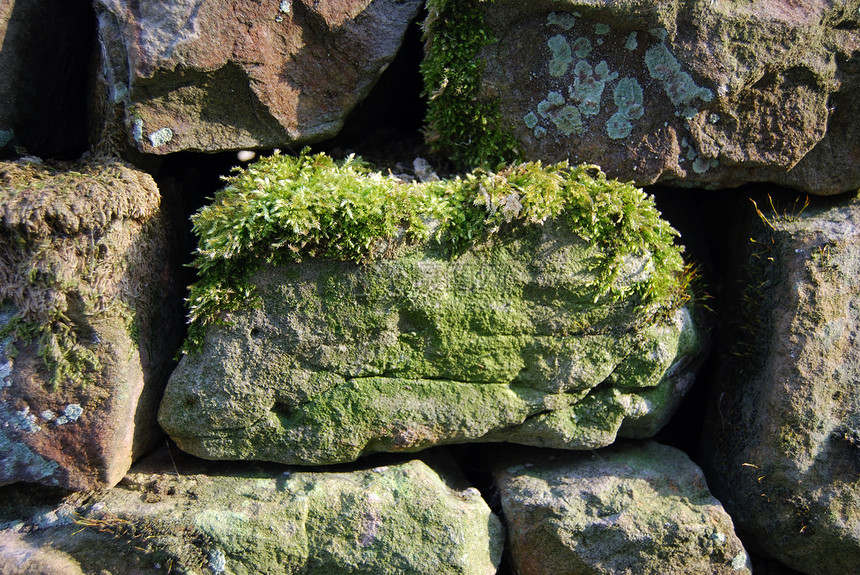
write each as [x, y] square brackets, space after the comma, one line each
[528, 292]
[392, 518]
[88, 319]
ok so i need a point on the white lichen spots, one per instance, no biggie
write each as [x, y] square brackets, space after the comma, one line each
[137, 129]
[563, 20]
[582, 47]
[48, 415]
[5, 371]
[217, 561]
[561, 55]
[702, 165]
[631, 43]
[284, 7]
[531, 120]
[740, 561]
[714, 118]
[160, 137]
[677, 84]
[601, 29]
[6, 136]
[71, 413]
[23, 420]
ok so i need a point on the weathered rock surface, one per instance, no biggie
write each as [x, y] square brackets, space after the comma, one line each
[630, 508]
[403, 517]
[706, 93]
[44, 53]
[227, 74]
[505, 342]
[88, 319]
[781, 443]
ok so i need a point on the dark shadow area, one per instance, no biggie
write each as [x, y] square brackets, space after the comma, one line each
[44, 77]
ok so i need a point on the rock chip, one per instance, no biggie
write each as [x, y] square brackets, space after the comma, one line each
[783, 431]
[88, 320]
[231, 75]
[630, 508]
[397, 517]
[713, 94]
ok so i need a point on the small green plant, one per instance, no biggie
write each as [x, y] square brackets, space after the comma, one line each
[462, 123]
[284, 209]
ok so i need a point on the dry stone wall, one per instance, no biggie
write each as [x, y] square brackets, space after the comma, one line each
[466, 291]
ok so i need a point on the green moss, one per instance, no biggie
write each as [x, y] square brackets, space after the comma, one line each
[284, 209]
[462, 122]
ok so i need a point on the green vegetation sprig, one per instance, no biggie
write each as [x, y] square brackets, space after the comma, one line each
[284, 209]
[462, 123]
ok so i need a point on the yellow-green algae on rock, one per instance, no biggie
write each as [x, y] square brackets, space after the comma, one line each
[542, 305]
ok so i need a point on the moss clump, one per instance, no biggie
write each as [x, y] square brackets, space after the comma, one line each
[67, 241]
[462, 123]
[283, 209]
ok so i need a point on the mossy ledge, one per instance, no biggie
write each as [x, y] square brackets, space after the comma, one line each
[67, 233]
[462, 123]
[283, 209]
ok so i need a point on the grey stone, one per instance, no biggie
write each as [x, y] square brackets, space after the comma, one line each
[781, 442]
[630, 508]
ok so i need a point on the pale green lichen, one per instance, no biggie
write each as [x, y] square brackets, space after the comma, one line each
[160, 137]
[629, 98]
[601, 29]
[677, 84]
[137, 129]
[582, 47]
[618, 126]
[6, 136]
[631, 43]
[531, 120]
[588, 86]
[561, 55]
[564, 20]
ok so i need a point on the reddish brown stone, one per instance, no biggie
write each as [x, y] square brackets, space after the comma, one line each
[228, 74]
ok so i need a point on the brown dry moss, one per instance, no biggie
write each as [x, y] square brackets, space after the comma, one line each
[69, 242]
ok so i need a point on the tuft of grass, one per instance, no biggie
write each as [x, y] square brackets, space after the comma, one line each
[462, 123]
[284, 209]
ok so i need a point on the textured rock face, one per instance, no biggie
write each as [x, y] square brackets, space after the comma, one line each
[631, 508]
[88, 321]
[503, 343]
[44, 53]
[711, 94]
[404, 517]
[782, 435]
[227, 74]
